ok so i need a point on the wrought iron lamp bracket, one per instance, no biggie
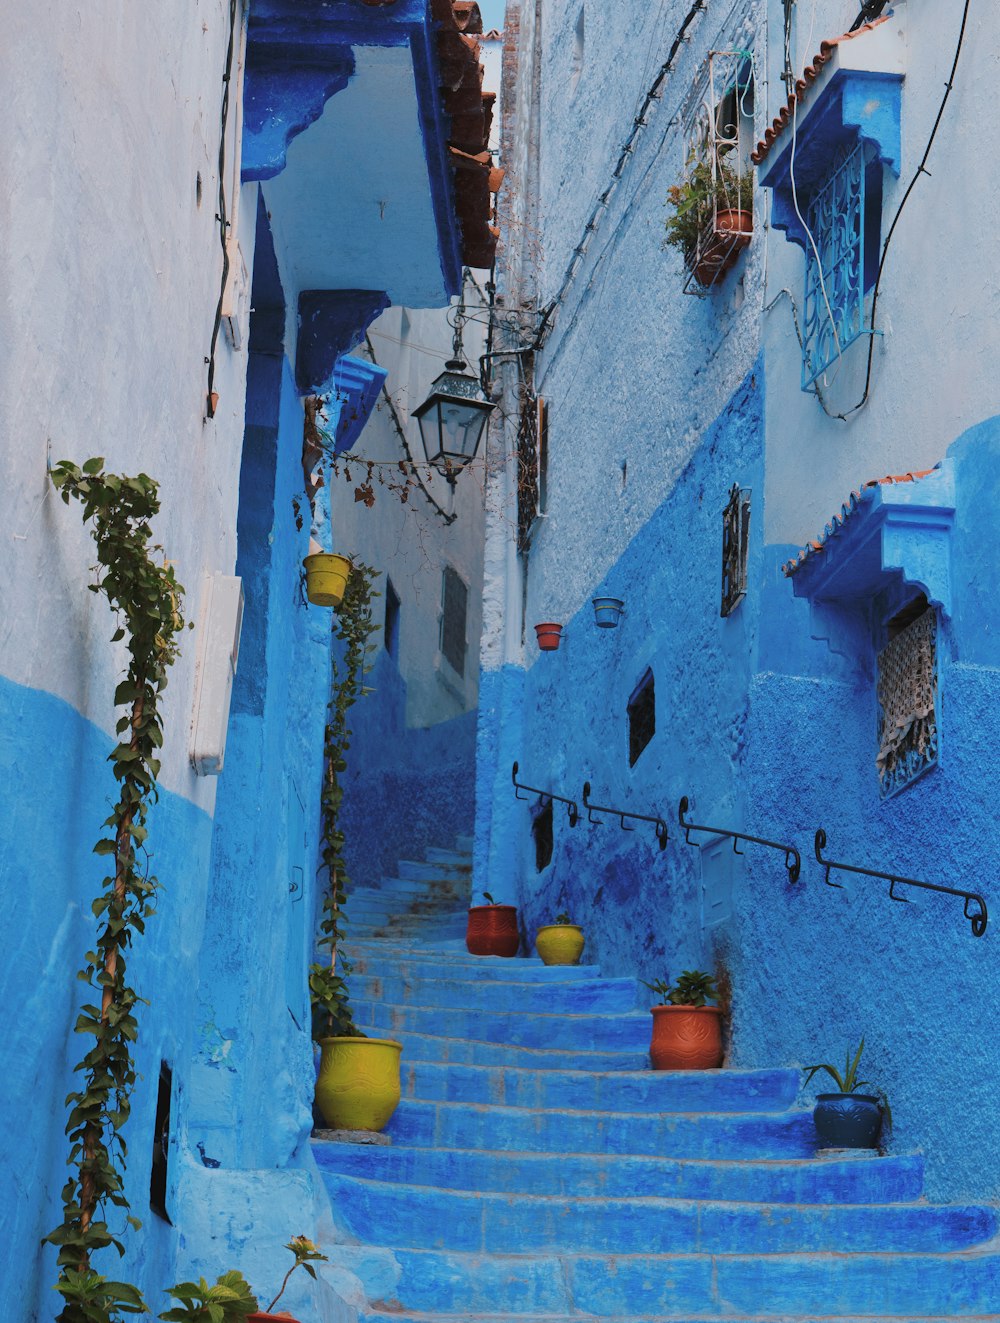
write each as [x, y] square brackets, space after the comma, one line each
[974, 908]
[662, 835]
[793, 860]
[573, 811]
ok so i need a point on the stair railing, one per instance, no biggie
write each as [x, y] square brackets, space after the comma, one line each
[978, 917]
[621, 814]
[793, 860]
[571, 805]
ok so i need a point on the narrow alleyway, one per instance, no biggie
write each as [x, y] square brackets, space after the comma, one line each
[538, 1169]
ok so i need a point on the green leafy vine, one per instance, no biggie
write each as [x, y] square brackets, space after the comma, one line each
[146, 599]
[353, 626]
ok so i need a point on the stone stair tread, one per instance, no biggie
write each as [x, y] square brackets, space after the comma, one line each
[409, 1316]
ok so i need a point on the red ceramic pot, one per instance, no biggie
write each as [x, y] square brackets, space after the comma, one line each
[271, 1318]
[549, 635]
[686, 1038]
[492, 930]
[733, 232]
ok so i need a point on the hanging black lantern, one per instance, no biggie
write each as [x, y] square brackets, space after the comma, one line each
[453, 416]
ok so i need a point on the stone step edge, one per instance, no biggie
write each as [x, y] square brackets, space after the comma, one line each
[407, 1316]
[988, 1250]
[653, 1202]
[723, 1073]
[502, 1110]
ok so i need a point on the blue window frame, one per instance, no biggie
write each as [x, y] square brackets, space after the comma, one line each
[833, 310]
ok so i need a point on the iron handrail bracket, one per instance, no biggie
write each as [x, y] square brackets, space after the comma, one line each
[793, 860]
[571, 805]
[621, 814]
[978, 917]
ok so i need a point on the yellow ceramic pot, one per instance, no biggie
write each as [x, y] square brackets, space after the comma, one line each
[326, 578]
[358, 1084]
[560, 943]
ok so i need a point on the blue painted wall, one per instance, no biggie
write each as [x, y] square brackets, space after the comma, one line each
[53, 811]
[405, 788]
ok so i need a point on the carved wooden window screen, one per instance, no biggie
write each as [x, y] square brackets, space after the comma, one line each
[908, 700]
[735, 543]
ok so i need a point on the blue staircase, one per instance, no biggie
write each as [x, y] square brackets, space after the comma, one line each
[539, 1171]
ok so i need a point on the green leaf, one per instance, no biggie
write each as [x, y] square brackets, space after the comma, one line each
[93, 466]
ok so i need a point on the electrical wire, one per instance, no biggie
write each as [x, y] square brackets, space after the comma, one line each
[654, 93]
[223, 214]
[921, 170]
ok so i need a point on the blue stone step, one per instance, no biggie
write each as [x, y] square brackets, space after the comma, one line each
[609, 996]
[668, 1134]
[430, 870]
[418, 1217]
[436, 855]
[618, 1091]
[430, 926]
[430, 966]
[800, 1180]
[626, 1032]
[841, 1286]
[411, 1316]
[470, 1052]
[456, 887]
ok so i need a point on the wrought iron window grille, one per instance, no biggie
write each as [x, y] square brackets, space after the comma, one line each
[532, 464]
[719, 130]
[907, 693]
[975, 906]
[571, 805]
[843, 216]
[735, 545]
[662, 835]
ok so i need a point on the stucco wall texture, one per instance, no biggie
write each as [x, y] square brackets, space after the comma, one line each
[766, 720]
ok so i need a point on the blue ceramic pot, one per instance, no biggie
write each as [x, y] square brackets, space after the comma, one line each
[847, 1120]
[606, 611]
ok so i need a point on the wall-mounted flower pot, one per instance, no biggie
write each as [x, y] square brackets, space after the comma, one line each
[559, 943]
[686, 1038]
[492, 930]
[847, 1120]
[326, 578]
[548, 636]
[607, 611]
[733, 232]
[358, 1083]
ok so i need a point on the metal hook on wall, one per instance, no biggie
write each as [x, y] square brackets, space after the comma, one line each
[974, 909]
[621, 814]
[573, 811]
[793, 860]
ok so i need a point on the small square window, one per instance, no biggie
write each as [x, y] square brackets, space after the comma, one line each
[735, 541]
[454, 606]
[641, 717]
[391, 620]
[907, 698]
[161, 1145]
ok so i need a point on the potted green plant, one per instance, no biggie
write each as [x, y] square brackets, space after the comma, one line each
[687, 1032]
[492, 929]
[560, 942]
[850, 1118]
[230, 1300]
[712, 220]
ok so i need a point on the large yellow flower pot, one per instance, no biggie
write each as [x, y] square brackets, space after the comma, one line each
[560, 943]
[358, 1084]
[326, 578]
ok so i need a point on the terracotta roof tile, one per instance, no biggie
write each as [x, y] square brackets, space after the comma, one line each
[802, 86]
[860, 497]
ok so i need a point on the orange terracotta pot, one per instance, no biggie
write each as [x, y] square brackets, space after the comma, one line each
[686, 1038]
[268, 1318]
[492, 930]
[733, 232]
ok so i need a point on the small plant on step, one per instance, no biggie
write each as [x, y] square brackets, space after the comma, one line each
[693, 988]
[306, 1254]
[849, 1082]
[563, 919]
[353, 626]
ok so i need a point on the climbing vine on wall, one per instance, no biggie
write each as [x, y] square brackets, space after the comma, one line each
[146, 599]
[353, 626]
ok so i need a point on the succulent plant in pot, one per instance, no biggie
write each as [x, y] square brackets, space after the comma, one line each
[712, 220]
[687, 1032]
[850, 1118]
[560, 942]
[492, 929]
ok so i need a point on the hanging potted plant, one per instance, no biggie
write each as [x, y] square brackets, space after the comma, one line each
[560, 942]
[492, 929]
[326, 577]
[358, 1084]
[548, 635]
[712, 219]
[849, 1118]
[687, 1033]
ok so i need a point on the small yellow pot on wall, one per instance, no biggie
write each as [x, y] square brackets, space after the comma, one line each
[560, 943]
[358, 1083]
[326, 578]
